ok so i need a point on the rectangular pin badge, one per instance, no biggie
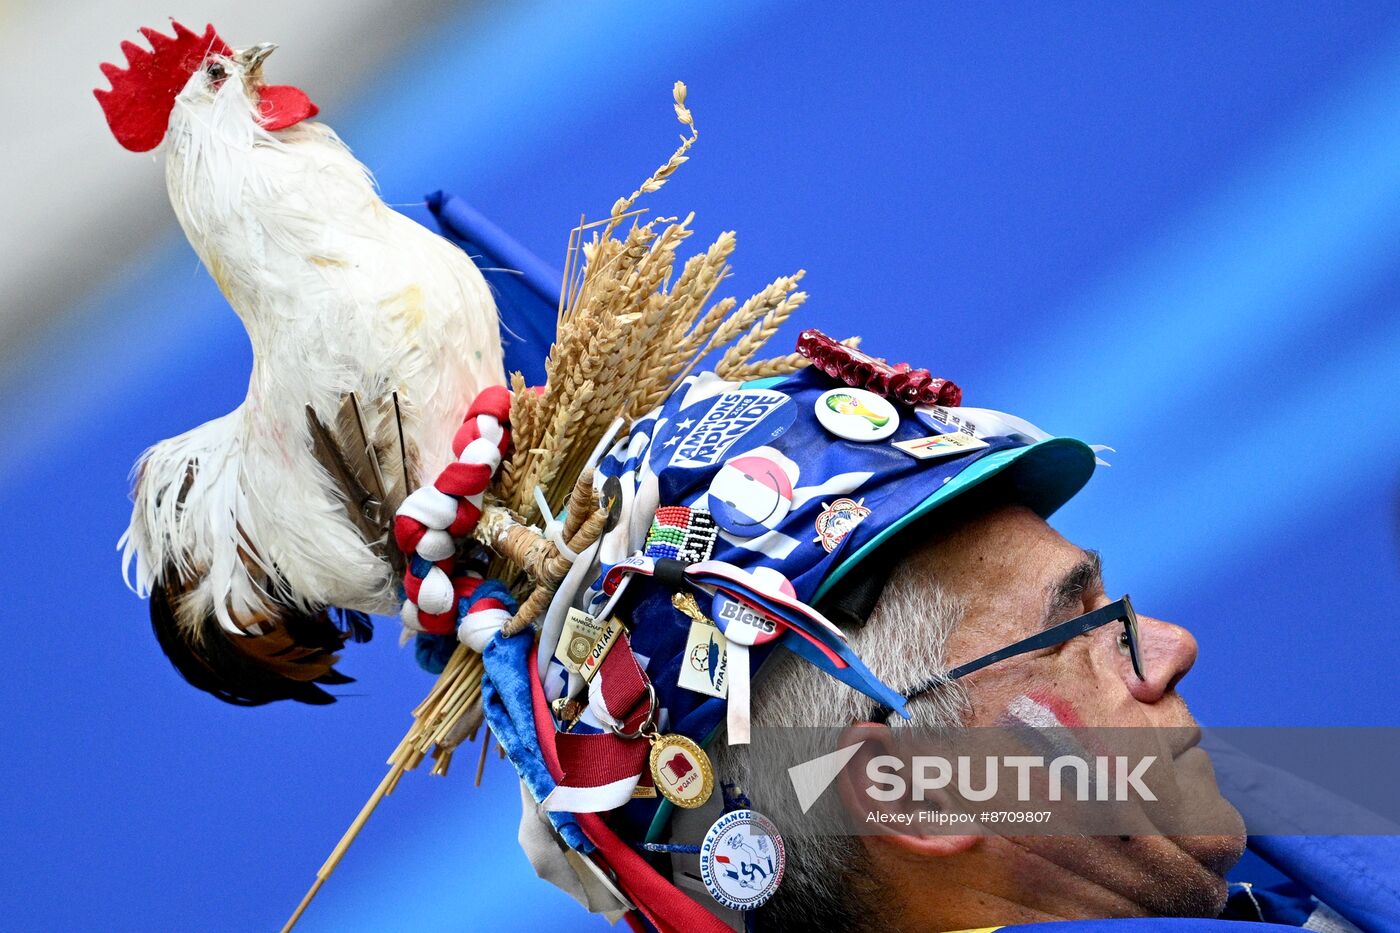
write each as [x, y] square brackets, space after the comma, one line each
[940, 445]
[612, 631]
[576, 638]
[705, 664]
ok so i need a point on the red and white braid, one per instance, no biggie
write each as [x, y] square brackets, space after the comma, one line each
[433, 520]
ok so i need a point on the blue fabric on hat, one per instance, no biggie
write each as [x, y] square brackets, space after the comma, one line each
[889, 482]
[1042, 476]
[525, 287]
[782, 471]
[509, 708]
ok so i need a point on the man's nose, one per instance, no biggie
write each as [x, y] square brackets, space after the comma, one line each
[1168, 652]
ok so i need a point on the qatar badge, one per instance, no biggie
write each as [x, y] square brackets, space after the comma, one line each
[742, 859]
[576, 639]
[856, 414]
[681, 770]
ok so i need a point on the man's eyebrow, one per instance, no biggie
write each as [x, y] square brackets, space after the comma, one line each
[1067, 593]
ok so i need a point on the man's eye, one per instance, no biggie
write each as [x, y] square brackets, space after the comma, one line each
[1123, 640]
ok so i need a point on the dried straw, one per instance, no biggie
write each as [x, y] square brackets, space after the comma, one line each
[628, 329]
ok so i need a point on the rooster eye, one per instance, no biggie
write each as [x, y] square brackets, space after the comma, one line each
[216, 71]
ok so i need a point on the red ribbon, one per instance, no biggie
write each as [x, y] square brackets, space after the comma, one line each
[664, 905]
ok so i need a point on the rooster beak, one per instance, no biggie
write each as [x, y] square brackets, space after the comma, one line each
[252, 57]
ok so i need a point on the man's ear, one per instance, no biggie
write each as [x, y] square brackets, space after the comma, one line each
[879, 794]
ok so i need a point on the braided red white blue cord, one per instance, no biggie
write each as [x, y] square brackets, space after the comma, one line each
[443, 594]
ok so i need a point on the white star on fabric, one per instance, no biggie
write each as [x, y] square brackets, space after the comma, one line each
[684, 425]
[673, 441]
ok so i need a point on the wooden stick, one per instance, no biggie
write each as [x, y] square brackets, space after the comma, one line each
[485, 747]
[390, 778]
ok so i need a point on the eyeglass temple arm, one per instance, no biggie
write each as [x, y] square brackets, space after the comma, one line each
[1055, 635]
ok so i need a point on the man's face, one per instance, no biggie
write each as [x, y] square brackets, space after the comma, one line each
[1017, 576]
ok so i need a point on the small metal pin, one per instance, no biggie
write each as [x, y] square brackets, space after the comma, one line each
[686, 603]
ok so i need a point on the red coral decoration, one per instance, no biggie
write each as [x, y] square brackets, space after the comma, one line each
[898, 383]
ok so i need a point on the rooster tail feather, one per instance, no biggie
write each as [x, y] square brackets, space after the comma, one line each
[293, 653]
[356, 625]
[395, 454]
[364, 457]
[358, 444]
[336, 454]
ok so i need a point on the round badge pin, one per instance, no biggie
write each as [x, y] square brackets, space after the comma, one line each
[856, 414]
[837, 520]
[612, 497]
[741, 624]
[681, 770]
[742, 859]
[751, 494]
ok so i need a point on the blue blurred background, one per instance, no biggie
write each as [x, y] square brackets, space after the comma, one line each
[1171, 230]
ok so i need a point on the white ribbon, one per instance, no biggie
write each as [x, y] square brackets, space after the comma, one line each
[553, 527]
[736, 714]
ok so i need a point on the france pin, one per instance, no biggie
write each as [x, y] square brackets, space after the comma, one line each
[742, 859]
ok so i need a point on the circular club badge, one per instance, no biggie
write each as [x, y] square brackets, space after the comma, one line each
[741, 859]
[837, 520]
[856, 414]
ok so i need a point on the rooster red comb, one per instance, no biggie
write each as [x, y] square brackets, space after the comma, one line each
[143, 94]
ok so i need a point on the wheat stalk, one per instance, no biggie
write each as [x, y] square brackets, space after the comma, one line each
[777, 365]
[762, 329]
[668, 168]
[628, 329]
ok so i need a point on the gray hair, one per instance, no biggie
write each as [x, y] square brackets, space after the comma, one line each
[825, 882]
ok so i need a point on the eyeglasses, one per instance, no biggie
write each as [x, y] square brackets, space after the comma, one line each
[1122, 610]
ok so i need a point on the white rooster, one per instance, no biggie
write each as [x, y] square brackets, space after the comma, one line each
[247, 529]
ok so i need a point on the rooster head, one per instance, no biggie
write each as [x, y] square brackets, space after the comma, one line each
[193, 68]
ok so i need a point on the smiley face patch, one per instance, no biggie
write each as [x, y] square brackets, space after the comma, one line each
[752, 494]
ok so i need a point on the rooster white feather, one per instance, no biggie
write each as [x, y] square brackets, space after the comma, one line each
[238, 521]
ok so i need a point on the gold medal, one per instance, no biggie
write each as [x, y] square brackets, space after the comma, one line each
[681, 770]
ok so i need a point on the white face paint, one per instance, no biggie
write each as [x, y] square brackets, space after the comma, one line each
[1029, 712]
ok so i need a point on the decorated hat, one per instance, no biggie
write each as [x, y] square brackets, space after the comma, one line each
[614, 554]
[731, 508]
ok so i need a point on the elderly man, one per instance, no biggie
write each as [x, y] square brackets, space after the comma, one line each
[985, 575]
[819, 550]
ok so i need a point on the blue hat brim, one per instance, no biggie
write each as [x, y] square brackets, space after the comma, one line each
[1042, 477]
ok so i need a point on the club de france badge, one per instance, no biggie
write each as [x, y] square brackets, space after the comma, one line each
[742, 859]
